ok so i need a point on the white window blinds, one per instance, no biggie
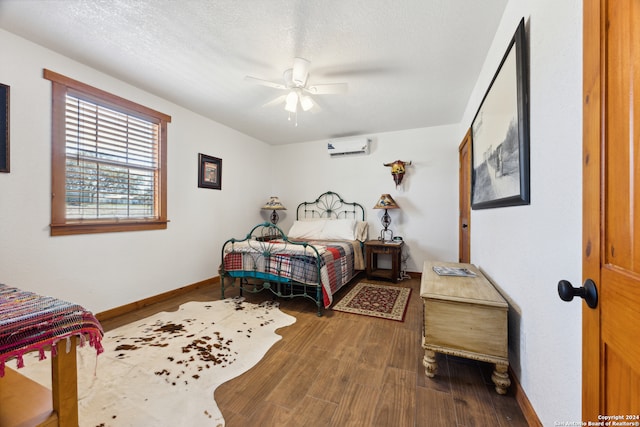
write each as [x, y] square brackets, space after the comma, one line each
[111, 162]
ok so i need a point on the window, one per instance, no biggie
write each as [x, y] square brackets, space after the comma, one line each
[108, 161]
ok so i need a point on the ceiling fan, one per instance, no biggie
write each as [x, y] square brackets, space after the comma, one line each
[296, 82]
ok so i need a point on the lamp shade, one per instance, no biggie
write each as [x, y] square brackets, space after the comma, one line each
[274, 204]
[386, 202]
[306, 103]
[291, 103]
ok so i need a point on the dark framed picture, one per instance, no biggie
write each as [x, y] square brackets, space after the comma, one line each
[4, 128]
[209, 172]
[500, 133]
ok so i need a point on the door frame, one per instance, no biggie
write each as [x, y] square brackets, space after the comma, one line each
[464, 195]
[592, 127]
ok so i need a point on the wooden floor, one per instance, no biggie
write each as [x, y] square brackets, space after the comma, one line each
[349, 370]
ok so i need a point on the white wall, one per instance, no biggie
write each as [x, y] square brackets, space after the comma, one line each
[428, 195]
[103, 271]
[526, 250]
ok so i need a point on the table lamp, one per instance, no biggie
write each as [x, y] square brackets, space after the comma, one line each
[386, 202]
[274, 205]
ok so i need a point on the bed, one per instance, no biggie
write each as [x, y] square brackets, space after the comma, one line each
[31, 322]
[320, 254]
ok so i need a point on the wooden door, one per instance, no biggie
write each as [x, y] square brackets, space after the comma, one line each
[464, 221]
[611, 208]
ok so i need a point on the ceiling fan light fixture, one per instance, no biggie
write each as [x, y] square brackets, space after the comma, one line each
[306, 102]
[291, 104]
[298, 91]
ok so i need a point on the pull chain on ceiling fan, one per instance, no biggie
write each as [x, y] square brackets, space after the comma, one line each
[296, 81]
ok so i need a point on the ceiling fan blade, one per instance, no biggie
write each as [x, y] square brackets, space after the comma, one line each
[327, 89]
[316, 109]
[267, 83]
[276, 101]
[300, 71]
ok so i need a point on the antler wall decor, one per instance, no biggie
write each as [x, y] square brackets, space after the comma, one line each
[397, 170]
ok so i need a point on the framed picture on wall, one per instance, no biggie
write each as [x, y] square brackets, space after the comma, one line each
[209, 172]
[500, 133]
[4, 128]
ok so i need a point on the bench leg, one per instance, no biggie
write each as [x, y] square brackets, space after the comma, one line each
[64, 376]
[430, 364]
[501, 379]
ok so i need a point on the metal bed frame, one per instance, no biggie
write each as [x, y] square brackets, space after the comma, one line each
[262, 240]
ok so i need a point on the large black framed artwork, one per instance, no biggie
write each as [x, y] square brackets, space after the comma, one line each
[500, 133]
[209, 172]
[4, 128]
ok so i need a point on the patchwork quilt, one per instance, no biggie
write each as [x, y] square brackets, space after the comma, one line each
[332, 266]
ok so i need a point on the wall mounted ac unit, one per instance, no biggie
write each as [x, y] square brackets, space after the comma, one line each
[348, 146]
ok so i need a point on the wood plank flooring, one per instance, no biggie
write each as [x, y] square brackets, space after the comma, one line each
[344, 369]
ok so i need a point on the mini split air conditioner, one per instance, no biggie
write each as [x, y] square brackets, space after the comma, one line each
[348, 146]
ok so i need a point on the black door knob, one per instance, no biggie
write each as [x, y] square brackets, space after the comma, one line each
[464, 225]
[588, 292]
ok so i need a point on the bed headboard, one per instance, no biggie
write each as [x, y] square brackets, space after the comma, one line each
[330, 205]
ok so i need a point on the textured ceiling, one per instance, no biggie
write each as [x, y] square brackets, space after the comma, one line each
[408, 63]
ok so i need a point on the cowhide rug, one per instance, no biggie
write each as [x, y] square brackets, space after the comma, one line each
[163, 370]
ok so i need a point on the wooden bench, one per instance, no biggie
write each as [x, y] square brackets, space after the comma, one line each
[35, 323]
[465, 317]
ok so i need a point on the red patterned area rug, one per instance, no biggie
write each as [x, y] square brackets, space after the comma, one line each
[369, 299]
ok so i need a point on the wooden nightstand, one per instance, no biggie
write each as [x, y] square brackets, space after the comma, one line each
[373, 248]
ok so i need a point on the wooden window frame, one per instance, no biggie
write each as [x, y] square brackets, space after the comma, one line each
[60, 225]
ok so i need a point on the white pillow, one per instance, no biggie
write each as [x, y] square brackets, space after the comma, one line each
[306, 230]
[339, 229]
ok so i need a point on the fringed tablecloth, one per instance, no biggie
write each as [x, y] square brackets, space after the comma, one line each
[30, 322]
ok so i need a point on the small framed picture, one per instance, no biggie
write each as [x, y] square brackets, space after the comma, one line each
[209, 172]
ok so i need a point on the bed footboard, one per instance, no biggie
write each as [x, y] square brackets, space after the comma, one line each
[267, 259]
